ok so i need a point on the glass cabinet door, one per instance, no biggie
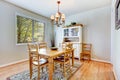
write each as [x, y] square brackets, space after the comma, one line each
[66, 32]
[74, 32]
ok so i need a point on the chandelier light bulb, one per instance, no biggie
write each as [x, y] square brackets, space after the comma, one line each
[57, 15]
[52, 17]
[63, 16]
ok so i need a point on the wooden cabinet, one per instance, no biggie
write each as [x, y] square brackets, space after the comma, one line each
[69, 34]
[74, 35]
[77, 50]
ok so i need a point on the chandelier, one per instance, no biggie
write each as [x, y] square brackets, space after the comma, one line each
[59, 18]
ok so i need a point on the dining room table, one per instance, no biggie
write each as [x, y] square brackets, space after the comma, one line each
[50, 55]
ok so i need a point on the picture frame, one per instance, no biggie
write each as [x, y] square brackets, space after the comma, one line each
[117, 14]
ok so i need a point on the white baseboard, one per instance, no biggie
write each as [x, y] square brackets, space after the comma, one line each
[13, 63]
[100, 60]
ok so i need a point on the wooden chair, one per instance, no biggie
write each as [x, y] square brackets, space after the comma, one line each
[66, 46]
[69, 46]
[42, 45]
[64, 60]
[86, 51]
[35, 59]
[63, 45]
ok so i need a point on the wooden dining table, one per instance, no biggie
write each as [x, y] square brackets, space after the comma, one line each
[51, 54]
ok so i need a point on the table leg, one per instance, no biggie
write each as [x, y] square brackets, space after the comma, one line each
[30, 67]
[72, 57]
[50, 68]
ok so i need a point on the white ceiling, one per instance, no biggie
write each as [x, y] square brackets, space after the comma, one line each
[68, 7]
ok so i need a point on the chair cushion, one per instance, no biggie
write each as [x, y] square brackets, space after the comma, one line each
[61, 59]
[41, 61]
[62, 56]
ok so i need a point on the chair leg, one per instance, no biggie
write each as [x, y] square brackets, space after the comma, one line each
[70, 67]
[31, 72]
[42, 69]
[38, 72]
[89, 57]
[82, 57]
[64, 70]
[61, 65]
[53, 67]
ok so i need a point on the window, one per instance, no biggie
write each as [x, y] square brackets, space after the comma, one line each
[29, 30]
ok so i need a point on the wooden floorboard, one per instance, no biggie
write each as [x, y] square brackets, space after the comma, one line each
[93, 70]
[90, 70]
[13, 69]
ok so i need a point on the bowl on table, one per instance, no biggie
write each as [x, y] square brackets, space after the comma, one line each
[54, 48]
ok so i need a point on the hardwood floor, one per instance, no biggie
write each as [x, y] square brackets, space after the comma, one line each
[93, 70]
[90, 70]
[13, 69]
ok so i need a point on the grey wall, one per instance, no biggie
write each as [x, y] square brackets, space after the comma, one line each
[9, 51]
[115, 43]
[96, 30]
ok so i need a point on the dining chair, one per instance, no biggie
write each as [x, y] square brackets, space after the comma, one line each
[42, 45]
[35, 59]
[67, 46]
[65, 62]
[64, 59]
[86, 51]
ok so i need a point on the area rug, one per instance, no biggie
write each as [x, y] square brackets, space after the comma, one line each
[57, 75]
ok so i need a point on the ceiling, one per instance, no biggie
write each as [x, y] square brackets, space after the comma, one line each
[68, 7]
